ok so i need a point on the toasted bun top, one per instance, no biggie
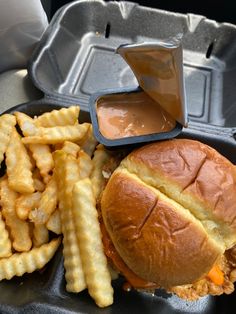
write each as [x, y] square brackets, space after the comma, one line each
[170, 210]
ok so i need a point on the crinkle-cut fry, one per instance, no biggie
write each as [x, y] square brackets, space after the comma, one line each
[57, 134]
[5, 243]
[38, 180]
[32, 161]
[89, 236]
[26, 123]
[19, 229]
[25, 203]
[62, 117]
[40, 235]
[47, 203]
[27, 262]
[71, 148]
[101, 156]
[54, 222]
[85, 165]
[43, 158]
[39, 185]
[66, 176]
[7, 123]
[89, 142]
[18, 165]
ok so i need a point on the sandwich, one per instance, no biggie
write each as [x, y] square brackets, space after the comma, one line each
[168, 219]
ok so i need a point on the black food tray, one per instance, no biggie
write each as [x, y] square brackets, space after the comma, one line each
[74, 59]
[44, 291]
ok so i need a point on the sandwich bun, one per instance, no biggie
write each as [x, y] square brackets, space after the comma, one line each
[170, 210]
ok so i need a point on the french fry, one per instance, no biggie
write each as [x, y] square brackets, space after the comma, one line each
[5, 243]
[26, 123]
[19, 229]
[85, 165]
[47, 203]
[38, 183]
[32, 161]
[40, 235]
[43, 158]
[57, 134]
[25, 203]
[71, 148]
[18, 165]
[67, 173]
[89, 142]
[27, 262]
[89, 236]
[101, 156]
[54, 222]
[62, 117]
[7, 123]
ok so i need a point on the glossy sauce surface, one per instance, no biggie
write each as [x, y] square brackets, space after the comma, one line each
[131, 114]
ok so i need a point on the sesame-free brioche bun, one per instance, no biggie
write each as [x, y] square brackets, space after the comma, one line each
[170, 210]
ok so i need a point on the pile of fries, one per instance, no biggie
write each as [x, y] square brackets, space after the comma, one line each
[50, 187]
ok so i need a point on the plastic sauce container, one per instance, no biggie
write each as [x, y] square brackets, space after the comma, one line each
[154, 111]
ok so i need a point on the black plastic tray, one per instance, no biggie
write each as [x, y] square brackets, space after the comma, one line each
[44, 291]
[75, 59]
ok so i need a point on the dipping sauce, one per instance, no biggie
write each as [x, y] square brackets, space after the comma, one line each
[131, 114]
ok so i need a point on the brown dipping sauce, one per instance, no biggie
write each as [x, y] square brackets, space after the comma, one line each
[131, 114]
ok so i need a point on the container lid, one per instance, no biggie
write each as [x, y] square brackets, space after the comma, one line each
[158, 67]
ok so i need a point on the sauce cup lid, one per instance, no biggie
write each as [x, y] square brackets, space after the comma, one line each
[158, 67]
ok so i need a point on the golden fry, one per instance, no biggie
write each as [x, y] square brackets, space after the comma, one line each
[62, 117]
[54, 222]
[27, 262]
[7, 123]
[5, 243]
[89, 142]
[67, 173]
[32, 161]
[47, 203]
[85, 165]
[43, 158]
[26, 123]
[71, 148]
[25, 203]
[19, 229]
[38, 183]
[40, 235]
[89, 236]
[57, 134]
[101, 156]
[18, 165]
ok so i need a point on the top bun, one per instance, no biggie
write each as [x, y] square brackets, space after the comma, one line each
[170, 210]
